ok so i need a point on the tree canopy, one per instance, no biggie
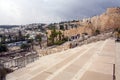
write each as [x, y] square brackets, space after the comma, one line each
[3, 48]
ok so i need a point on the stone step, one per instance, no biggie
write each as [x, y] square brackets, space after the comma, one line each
[78, 63]
[102, 67]
[72, 64]
[50, 71]
[50, 60]
[43, 62]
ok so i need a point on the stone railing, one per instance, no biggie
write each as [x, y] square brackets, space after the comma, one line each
[55, 49]
[74, 43]
[79, 42]
[20, 61]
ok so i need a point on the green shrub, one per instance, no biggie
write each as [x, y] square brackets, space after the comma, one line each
[59, 42]
[3, 48]
[97, 32]
[25, 46]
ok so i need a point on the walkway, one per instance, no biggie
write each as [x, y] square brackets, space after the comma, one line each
[89, 62]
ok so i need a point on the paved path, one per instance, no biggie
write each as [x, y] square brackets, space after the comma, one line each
[117, 66]
[102, 66]
[89, 62]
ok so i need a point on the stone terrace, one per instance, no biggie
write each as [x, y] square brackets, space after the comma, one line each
[93, 61]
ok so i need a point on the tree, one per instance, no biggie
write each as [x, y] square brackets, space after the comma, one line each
[39, 39]
[25, 46]
[15, 38]
[3, 39]
[97, 32]
[27, 36]
[21, 37]
[117, 32]
[53, 35]
[3, 48]
[10, 38]
[47, 37]
[57, 38]
[60, 35]
[31, 42]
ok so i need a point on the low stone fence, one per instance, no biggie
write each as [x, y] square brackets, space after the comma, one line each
[20, 61]
[90, 40]
[74, 43]
[60, 48]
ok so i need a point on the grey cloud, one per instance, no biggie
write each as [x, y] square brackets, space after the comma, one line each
[28, 11]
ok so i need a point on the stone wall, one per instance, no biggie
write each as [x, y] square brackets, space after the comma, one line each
[74, 43]
[54, 49]
[113, 10]
[20, 61]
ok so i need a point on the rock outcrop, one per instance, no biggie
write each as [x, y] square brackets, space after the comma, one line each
[105, 22]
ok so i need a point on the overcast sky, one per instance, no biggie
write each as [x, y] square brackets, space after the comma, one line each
[46, 11]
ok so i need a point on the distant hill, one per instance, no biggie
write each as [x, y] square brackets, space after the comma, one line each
[8, 26]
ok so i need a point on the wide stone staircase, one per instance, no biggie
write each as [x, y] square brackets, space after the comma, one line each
[92, 61]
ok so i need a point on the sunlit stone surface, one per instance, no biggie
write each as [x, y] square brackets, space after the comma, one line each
[93, 61]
